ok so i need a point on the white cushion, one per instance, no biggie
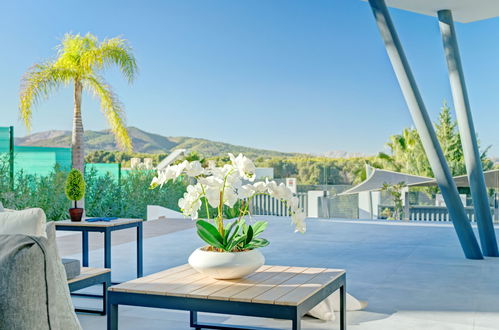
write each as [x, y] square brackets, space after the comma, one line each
[27, 222]
[325, 309]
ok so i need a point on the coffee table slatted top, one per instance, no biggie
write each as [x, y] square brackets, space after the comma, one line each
[111, 223]
[280, 285]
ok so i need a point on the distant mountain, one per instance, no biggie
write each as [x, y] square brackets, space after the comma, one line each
[342, 154]
[144, 142]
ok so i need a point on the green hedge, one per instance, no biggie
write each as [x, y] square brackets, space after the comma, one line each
[105, 196]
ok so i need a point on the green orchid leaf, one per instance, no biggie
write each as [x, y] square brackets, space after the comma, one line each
[210, 240]
[231, 230]
[249, 235]
[244, 226]
[259, 227]
[209, 234]
[257, 243]
[236, 242]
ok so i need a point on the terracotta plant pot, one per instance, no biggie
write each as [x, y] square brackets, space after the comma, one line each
[226, 265]
[76, 213]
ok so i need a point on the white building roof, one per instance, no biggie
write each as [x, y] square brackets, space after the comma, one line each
[463, 11]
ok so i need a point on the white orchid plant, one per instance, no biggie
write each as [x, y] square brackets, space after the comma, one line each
[230, 185]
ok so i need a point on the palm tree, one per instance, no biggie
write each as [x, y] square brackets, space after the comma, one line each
[79, 62]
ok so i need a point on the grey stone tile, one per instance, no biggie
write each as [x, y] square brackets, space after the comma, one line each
[414, 276]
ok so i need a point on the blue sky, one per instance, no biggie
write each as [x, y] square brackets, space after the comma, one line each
[304, 76]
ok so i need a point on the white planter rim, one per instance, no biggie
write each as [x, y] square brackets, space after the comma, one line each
[224, 252]
[226, 265]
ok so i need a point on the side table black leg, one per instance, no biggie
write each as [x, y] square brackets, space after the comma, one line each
[139, 250]
[84, 247]
[107, 248]
[343, 307]
[112, 317]
[105, 285]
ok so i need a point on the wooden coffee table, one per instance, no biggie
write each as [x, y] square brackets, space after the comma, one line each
[280, 292]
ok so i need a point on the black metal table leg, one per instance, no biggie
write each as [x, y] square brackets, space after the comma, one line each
[194, 320]
[107, 249]
[139, 250]
[84, 247]
[112, 317]
[106, 281]
[296, 322]
[343, 308]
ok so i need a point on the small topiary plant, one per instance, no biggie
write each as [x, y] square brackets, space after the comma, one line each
[75, 186]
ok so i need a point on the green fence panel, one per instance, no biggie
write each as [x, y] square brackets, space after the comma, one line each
[41, 160]
[102, 169]
[4, 139]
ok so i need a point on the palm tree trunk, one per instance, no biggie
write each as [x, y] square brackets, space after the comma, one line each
[77, 143]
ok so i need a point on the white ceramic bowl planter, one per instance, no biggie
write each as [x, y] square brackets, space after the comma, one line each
[226, 265]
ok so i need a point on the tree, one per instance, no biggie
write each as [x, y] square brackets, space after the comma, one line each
[450, 140]
[407, 154]
[395, 191]
[79, 61]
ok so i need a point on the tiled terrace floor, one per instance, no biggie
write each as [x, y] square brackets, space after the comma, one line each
[414, 276]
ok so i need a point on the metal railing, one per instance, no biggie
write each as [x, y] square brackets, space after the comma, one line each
[429, 213]
[266, 205]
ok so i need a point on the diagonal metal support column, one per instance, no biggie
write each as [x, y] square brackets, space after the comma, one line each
[425, 129]
[468, 136]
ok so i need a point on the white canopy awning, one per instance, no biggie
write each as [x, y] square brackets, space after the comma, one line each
[379, 177]
[463, 11]
[491, 180]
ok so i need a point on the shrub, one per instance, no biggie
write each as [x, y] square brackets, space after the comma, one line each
[105, 195]
[75, 186]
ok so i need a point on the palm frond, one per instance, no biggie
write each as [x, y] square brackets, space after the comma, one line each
[39, 82]
[111, 107]
[114, 51]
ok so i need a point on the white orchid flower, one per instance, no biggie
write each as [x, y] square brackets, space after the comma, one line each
[155, 182]
[260, 187]
[298, 218]
[194, 169]
[294, 204]
[280, 191]
[220, 172]
[233, 180]
[170, 173]
[191, 202]
[284, 192]
[163, 176]
[244, 166]
[246, 191]
[230, 197]
[213, 196]
[212, 182]
[226, 181]
[179, 169]
[272, 189]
